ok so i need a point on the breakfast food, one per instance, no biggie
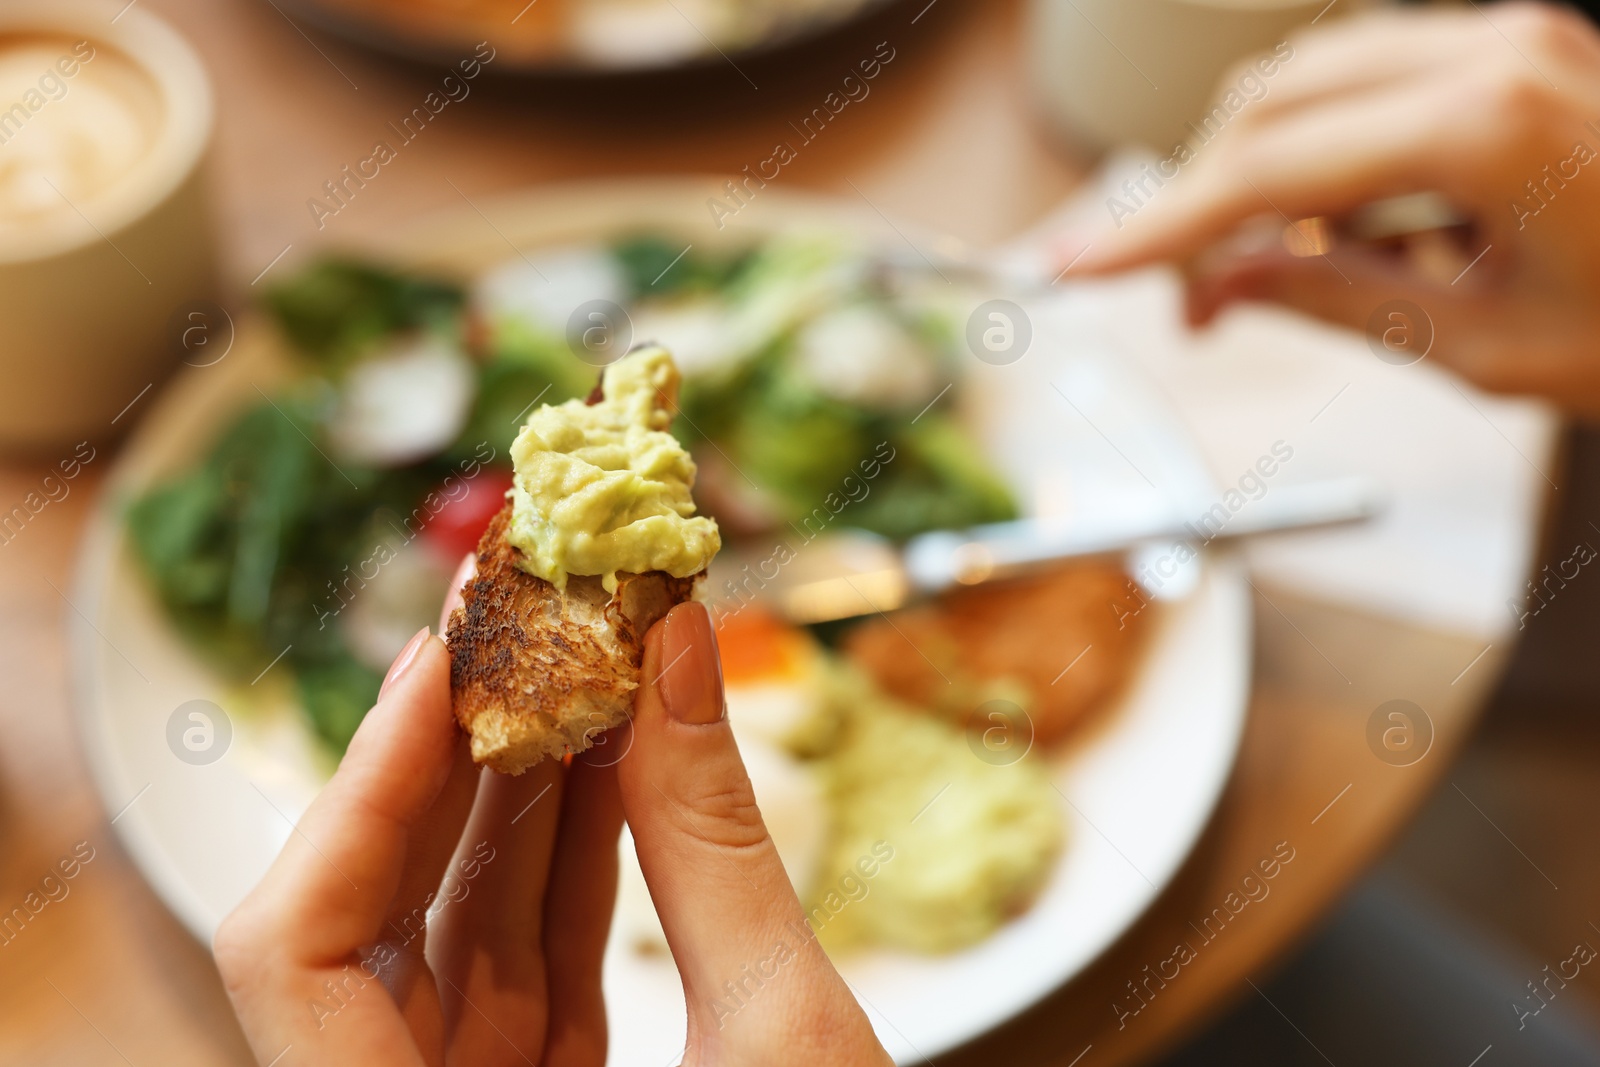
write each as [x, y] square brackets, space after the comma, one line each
[598, 541]
[1056, 645]
[930, 846]
[962, 843]
[805, 374]
[892, 828]
[415, 385]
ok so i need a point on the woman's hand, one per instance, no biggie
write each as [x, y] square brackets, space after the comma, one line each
[426, 913]
[1473, 103]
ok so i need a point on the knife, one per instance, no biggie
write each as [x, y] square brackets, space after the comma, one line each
[848, 573]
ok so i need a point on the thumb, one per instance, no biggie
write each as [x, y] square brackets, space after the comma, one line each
[732, 920]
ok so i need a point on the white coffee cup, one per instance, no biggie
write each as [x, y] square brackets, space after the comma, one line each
[105, 235]
[1118, 71]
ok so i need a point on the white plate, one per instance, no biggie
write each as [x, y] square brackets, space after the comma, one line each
[1073, 428]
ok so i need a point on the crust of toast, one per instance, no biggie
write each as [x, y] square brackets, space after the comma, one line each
[536, 672]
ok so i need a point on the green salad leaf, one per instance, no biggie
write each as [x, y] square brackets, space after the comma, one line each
[936, 481]
[525, 366]
[245, 548]
[658, 267]
[338, 309]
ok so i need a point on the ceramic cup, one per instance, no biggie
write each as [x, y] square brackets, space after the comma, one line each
[1115, 71]
[105, 236]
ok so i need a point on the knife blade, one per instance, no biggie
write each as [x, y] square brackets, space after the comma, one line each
[850, 573]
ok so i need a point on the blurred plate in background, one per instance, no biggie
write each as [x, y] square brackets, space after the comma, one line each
[583, 37]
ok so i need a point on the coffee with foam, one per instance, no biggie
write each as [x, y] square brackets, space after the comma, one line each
[75, 118]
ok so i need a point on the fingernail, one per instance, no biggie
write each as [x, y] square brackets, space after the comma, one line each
[403, 660]
[691, 671]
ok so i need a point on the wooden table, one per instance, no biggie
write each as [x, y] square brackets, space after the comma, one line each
[108, 976]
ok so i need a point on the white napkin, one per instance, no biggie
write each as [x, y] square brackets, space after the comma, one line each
[1467, 472]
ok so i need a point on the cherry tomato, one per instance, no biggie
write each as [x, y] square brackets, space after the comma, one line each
[455, 530]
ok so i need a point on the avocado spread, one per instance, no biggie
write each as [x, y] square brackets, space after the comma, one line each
[604, 487]
[972, 842]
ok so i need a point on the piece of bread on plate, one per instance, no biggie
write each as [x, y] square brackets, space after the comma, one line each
[598, 541]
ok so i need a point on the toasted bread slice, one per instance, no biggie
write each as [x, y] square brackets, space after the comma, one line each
[537, 672]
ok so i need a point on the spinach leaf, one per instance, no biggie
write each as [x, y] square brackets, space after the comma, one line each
[652, 266]
[337, 309]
